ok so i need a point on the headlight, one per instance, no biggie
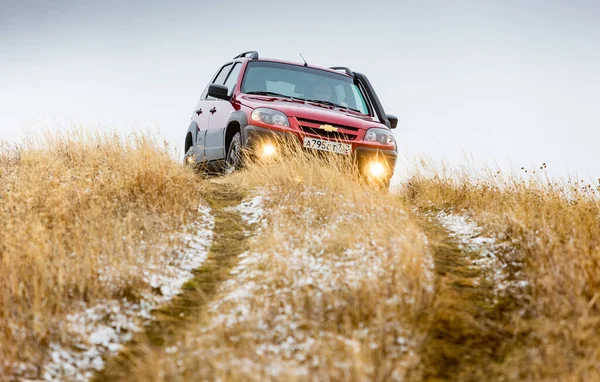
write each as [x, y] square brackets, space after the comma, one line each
[268, 149]
[383, 136]
[270, 117]
[376, 170]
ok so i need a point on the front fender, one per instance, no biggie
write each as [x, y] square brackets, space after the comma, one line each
[241, 118]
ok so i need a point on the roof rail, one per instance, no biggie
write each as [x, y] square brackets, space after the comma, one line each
[345, 69]
[253, 55]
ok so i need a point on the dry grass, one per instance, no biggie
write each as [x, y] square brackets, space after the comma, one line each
[337, 282]
[336, 285]
[555, 229]
[77, 213]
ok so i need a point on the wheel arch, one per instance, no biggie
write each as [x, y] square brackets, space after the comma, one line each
[190, 136]
[236, 123]
[188, 142]
[233, 127]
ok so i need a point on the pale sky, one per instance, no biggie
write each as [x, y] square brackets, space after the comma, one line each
[508, 82]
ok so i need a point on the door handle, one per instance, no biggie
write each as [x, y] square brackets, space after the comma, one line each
[198, 112]
[213, 110]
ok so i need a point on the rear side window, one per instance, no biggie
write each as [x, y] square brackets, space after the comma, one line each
[231, 80]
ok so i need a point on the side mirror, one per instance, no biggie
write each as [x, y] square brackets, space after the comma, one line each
[393, 120]
[219, 92]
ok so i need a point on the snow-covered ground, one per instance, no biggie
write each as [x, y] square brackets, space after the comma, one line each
[489, 255]
[252, 210]
[95, 332]
[263, 301]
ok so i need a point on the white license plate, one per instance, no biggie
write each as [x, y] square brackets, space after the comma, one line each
[332, 147]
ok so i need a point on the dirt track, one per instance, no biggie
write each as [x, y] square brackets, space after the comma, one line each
[171, 320]
[464, 336]
[462, 341]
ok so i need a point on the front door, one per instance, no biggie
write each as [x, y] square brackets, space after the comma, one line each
[220, 111]
[202, 114]
[215, 137]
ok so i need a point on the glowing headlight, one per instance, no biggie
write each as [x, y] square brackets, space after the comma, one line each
[270, 117]
[268, 150]
[383, 136]
[376, 169]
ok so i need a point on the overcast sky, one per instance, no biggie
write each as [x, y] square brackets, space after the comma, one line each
[508, 81]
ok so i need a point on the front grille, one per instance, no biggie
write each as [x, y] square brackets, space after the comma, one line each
[346, 133]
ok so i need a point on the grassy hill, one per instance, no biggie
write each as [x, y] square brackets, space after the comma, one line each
[302, 271]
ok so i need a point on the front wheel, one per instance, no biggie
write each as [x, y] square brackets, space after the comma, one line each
[233, 161]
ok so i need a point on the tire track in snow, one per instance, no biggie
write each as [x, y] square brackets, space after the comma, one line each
[99, 331]
[171, 321]
[473, 300]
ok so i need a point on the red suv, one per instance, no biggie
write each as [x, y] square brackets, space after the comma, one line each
[328, 109]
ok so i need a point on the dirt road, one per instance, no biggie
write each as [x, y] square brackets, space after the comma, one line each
[172, 320]
[463, 331]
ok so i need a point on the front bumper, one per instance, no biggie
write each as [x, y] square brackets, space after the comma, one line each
[253, 135]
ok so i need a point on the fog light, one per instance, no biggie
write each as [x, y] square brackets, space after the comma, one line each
[268, 150]
[376, 169]
[189, 159]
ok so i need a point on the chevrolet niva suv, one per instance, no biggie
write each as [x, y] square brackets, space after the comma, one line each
[328, 109]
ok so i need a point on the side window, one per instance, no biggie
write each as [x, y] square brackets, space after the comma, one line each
[231, 80]
[219, 79]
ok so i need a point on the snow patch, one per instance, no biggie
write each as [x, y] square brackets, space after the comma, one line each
[252, 210]
[99, 331]
[303, 263]
[469, 236]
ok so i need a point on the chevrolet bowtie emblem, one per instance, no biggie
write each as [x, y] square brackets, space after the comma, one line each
[328, 128]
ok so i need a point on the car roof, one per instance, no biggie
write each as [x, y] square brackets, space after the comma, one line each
[243, 59]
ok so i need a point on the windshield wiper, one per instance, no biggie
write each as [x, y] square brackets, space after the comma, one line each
[270, 94]
[329, 103]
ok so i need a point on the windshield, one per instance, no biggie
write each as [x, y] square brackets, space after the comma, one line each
[285, 80]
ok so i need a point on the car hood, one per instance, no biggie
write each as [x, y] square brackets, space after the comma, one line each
[312, 111]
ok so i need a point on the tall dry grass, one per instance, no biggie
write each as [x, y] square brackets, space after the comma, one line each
[555, 229]
[336, 285]
[78, 211]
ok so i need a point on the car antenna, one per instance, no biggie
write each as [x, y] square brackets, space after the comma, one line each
[305, 64]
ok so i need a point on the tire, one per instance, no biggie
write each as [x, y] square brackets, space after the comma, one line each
[233, 161]
[188, 158]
